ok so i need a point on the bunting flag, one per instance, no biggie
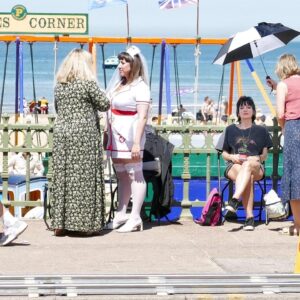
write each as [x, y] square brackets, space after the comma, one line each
[101, 3]
[168, 4]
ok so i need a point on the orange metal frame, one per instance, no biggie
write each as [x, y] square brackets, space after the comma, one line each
[125, 40]
[119, 40]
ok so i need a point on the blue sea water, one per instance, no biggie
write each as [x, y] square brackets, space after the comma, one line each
[209, 75]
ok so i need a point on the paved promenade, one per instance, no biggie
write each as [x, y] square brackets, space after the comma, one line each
[181, 248]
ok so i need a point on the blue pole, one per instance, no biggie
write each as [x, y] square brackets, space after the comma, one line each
[17, 76]
[161, 80]
[168, 84]
[21, 79]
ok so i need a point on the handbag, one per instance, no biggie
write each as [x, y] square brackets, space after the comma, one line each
[274, 207]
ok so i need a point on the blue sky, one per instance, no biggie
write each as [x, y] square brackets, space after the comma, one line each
[218, 18]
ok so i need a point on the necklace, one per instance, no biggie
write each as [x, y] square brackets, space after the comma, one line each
[244, 129]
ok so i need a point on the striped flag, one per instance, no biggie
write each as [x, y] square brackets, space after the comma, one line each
[168, 4]
[101, 3]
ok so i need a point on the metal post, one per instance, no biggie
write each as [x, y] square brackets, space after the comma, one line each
[186, 176]
[4, 174]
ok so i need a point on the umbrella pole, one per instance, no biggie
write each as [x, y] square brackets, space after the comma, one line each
[262, 62]
[263, 65]
[261, 88]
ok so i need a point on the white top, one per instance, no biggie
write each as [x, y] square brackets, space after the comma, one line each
[127, 98]
[123, 127]
[17, 165]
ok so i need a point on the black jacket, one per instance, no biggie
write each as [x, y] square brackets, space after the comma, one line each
[163, 188]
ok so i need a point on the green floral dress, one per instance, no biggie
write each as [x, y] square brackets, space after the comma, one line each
[78, 191]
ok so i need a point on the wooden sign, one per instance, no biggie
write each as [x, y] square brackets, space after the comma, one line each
[19, 21]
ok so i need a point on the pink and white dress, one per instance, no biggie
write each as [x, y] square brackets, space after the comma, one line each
[123, 117]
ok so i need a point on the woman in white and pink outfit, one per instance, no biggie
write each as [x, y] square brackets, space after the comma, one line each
[130, 98]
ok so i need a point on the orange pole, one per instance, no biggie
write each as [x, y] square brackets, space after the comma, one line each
[230, 101]
[91, 43]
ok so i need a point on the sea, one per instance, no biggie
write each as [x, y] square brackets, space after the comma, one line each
[213, 80]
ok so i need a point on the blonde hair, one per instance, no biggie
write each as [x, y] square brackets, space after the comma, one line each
[78, 64]
[287, 66]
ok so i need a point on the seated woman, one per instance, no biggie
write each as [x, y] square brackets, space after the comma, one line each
[245, 148]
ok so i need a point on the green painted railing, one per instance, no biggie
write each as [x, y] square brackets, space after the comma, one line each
[194, 154]
[29, 138]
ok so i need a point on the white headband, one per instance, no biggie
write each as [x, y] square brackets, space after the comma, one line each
[133, 50]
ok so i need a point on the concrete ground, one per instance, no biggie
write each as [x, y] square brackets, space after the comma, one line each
[180, 248]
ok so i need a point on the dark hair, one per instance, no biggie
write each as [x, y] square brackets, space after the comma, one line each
[136, 66]
[245, 100]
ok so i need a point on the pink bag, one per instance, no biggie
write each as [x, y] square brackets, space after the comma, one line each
[211, 212]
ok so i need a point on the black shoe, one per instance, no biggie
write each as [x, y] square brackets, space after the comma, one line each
[230, 216]
[249, 224]
[232, 205]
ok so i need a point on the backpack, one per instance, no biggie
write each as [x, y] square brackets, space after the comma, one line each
[211, 212]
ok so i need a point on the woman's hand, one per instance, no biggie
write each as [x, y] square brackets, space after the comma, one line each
[255, 158]
[135, 152]
[271, 83]
[235, 158]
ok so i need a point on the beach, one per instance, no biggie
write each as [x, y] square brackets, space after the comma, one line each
[209, 75]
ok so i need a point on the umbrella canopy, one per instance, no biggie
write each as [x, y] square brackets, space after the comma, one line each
[255, 41]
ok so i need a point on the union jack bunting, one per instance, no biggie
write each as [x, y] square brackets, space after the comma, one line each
[168, 4]
[101, 3]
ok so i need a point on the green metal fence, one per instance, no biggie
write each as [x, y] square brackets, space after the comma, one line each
[194, 154]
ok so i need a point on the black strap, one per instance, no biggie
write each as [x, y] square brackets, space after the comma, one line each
[177, 86]
[152, 64]
[34, 93]
[47, 206]
[211, 212]
[112, 205]
[32, 72]
[103, 66]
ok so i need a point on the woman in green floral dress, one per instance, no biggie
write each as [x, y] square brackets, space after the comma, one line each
[78, 192]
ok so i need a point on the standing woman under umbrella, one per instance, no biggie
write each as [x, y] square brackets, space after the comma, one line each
[288, 113]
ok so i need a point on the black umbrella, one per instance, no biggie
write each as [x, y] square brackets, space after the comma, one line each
[255, 41]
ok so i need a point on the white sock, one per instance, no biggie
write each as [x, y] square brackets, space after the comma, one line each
[9, 219]
[1, 224]
[138, 188]
[124, 193]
